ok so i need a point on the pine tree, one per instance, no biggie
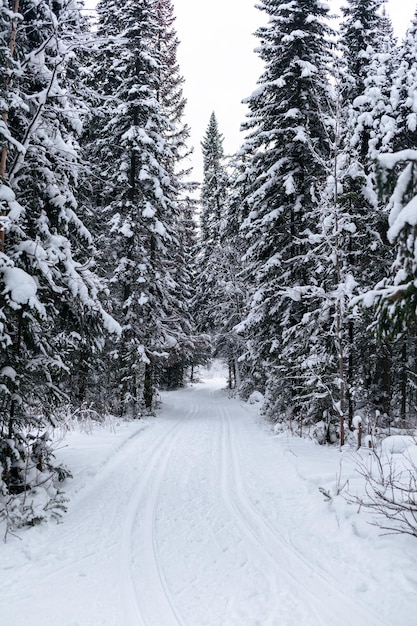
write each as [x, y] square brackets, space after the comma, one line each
[358, 35]
[137, 191]
[289, 144]
[171, 99]
[49, 303]
[396, 295]
[219, 292]
[397, 188]
[369, 124]
[213, 206]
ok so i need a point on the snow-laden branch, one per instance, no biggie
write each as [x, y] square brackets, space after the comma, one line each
[389, 161]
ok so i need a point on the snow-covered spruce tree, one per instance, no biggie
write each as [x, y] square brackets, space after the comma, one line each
[134, 149]
[170, 91]
[368, 59]
[215, 258]
[402, 337]
[172, 101]
[231, 297]
[403, 95]
[289, 144]
[396, 295]
[358, 33]
[48, 302]
[236, 299]
[215, 184]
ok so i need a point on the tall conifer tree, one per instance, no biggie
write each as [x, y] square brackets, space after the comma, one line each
[173, 103]
[136, 143]
[367, 119]
[213, 206]
[219, 291]
[289, 145]
[394, 293]
[49, 305]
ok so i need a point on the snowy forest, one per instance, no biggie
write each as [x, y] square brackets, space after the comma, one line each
[295, 260]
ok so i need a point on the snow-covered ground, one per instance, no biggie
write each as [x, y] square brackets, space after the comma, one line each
[202, 516]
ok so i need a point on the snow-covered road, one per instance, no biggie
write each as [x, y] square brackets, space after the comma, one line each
[201, 517]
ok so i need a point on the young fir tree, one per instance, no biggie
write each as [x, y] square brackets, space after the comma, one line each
[135, 147]
[49, 304]
[289, 144]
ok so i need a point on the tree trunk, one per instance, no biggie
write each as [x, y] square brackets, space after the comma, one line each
[350, 376]
[237, 374]
[404, 382]
[148, 386]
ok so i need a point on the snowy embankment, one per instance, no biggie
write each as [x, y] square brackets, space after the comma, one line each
[202, 516]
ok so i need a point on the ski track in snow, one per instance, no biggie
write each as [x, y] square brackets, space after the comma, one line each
[126, 571]
[290, 563]
[254, 528]
[150, 482]
[192, 521]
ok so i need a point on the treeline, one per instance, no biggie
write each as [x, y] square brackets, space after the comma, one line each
[302, 271]
[309, 233]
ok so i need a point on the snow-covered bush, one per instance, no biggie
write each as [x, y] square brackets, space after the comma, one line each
[325, 432]
[256, 397]
[29, 480]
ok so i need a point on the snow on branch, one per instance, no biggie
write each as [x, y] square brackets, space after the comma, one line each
[389, 161]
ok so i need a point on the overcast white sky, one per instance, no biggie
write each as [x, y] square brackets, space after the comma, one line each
[219, 66]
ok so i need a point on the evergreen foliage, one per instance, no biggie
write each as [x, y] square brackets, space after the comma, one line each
[367, 120]
[361, 21]
[213, 206]
[49, 306]
[219, 292]
[302, 274]
[289, 144]
[396, 295]
[140, 198]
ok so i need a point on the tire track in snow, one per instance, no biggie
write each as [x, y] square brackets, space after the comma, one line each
[151, 480]
[298, 570]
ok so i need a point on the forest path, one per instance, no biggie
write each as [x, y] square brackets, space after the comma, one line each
[200, 518]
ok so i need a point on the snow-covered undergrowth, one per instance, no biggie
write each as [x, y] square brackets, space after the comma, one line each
[42, 496]
[378, 470]
[203, 516]
[379, 484]
[30, 481]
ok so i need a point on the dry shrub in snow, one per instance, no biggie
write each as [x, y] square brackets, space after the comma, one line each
[391, 485]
